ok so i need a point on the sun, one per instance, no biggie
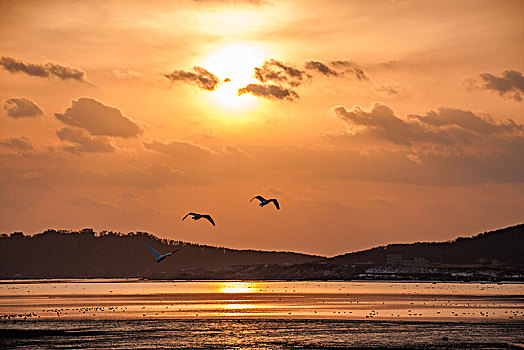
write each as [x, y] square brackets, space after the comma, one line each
[234, 65]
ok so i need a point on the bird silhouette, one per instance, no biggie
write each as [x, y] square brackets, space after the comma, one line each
[264, 201]
[196, 216]
[159, 257]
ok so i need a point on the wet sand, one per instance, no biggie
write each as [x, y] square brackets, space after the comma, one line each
[385, 301]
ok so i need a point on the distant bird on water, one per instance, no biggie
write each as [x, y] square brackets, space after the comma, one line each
[159, 257]
[264, 201]
[196, 216]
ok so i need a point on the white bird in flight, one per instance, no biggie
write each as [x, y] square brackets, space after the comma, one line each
[196, 216]
[264, 201]
[159, 257]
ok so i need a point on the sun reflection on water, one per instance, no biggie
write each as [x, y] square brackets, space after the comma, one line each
[238, 306]
[237, 287]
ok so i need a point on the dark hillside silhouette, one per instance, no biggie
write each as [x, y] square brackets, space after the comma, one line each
[86, 254]
[503, 246]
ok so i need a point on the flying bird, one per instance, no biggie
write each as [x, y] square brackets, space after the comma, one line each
[264, 201]
[159, 257]
[196, 216]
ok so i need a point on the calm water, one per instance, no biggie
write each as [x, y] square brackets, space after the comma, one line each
[176, 314]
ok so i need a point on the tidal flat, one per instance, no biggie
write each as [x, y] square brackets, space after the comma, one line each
[260, 314]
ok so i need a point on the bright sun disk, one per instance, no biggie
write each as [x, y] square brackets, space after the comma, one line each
[235, 62]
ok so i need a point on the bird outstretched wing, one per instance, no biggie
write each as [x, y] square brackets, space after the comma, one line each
[275, 202]
[208, 217]
[157, 255]
[260, 198]
[174, 251]
[191, 213]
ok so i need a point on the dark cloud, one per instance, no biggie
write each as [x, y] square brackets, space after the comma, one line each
[510, 84]
[47, 70]
[22, 107]
[98, 118]
[179, 149]
[448, 127]
[321, 68]
[351, 68]
[269, 91]
[277, 72]
[16, 144]
[200, 77]
[83, 142]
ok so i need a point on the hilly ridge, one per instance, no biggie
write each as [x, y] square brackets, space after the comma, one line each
[504, 246]
[88, 254]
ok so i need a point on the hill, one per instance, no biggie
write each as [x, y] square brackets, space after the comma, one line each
[495, 255]
[504, 246]
[87, 254]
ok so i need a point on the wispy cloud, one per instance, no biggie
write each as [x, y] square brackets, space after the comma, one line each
[47, 70]
[179, 149]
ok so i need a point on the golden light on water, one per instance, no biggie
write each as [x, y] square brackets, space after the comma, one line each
[238, 306]
[238, 287]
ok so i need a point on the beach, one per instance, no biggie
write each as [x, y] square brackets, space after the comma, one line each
[279, 314]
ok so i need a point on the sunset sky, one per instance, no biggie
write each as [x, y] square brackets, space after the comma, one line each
[372, 122]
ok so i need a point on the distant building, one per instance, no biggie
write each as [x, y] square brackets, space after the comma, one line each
[393, 259]
[396, 260]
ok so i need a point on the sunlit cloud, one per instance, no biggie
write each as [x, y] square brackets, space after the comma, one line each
[199, 77]
[269, 91]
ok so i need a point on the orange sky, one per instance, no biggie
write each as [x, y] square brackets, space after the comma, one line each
[372, 122]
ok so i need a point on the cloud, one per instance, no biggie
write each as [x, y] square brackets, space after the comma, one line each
[449, 117]
[347, 68]
[16, 144]
[390, 89]
[98, 118]
[126, 73]
[351, 68]
[511, 84]
[47, 70]
[155, 176]
[22, 108]
[200, 77]
[446, 126]
[322, 68]
[280, 73]
[179, 149]
[84, 142]
[87, 202]
[269, 91]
